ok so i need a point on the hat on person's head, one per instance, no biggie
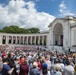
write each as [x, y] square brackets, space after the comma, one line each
[35, 64]
[57, 67]
[44, 65]
[17, 58]
[22, 60]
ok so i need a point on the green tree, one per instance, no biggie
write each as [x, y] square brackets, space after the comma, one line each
[5, 29]
[16, 29]
[34, 30]
[22, 30]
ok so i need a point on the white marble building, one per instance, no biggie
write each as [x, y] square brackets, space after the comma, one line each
[61, 35]
[62, 32]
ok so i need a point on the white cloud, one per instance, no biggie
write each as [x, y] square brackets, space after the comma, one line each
[24, 14]
[64, 10]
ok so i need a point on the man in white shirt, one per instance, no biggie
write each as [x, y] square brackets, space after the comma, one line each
[68, 69]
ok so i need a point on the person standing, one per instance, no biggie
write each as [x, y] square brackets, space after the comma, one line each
[57, 70]
[35, 70]
[7, 70]
[68, 69]
[24, 68]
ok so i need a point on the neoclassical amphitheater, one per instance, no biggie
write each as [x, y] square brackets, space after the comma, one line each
[61, 36]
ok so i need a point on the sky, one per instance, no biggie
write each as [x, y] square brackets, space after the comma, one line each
[34, 13]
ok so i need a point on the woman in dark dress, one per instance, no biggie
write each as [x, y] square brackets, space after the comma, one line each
[24, 68]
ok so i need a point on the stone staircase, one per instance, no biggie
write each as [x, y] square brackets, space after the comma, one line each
[56, 48]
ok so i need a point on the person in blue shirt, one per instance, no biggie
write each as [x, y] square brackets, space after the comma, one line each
[7, 70]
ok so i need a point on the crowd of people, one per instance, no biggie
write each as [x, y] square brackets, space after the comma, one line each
[36, 62]
[18, 47]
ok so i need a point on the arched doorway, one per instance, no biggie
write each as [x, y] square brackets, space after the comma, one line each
[58, 34]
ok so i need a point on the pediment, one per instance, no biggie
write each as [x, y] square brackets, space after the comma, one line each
[55, 21]
[65, 19]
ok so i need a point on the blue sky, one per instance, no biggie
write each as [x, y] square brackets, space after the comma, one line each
[34, 13]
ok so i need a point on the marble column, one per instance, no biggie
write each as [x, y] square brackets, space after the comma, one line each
[12, 39]
[19, 39]
[27, 40]
[0, 39]
[74, 37]
[38, 40]
[59, 43]
[16, 39]
[7, 39]
[42, 40]
[31, 40]
[35, 40]
[23, 39]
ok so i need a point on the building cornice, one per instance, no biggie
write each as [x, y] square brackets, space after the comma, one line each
[35, 34]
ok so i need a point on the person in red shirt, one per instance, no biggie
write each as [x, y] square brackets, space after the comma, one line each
[24, 68]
